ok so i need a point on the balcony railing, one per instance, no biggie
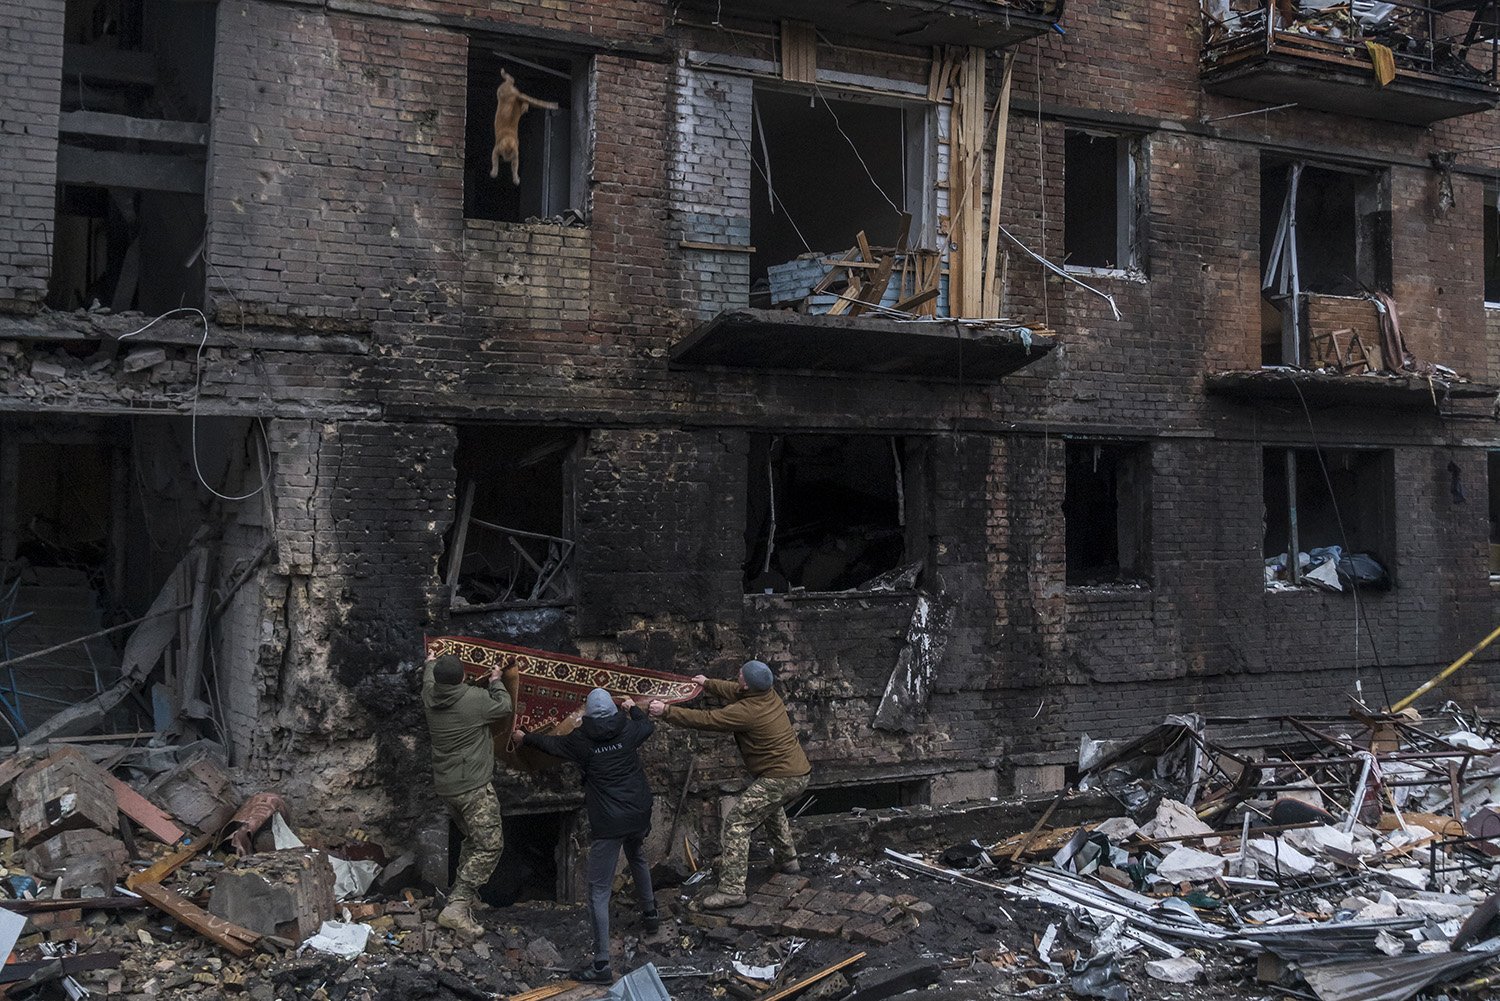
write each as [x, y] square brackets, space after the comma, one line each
[1398, 61]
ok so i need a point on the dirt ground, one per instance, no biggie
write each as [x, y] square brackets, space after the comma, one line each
[983, 943]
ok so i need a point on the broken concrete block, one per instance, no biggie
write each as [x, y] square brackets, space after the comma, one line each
[286, 893]
[1438, 906]
[197, 792]
[1190, 865]
[876, 985]
[52, 857]
[1176, 820]
[43, 370]
[1275, 856]
[64, 793]
[1117, 829]
[1319, 840]
[143, 358]
[1410, 875]
[399, 874]
[1181, 970]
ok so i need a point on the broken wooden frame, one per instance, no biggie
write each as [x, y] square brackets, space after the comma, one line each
[548, 560]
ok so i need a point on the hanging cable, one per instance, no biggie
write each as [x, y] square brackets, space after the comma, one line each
[857, 155]
[197, 391]
[750, 152]
[1060, 271]
[1359, 609]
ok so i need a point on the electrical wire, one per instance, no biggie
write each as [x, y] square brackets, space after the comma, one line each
[750, 152]
[197, 392]
[857, 155]
[1359, 609]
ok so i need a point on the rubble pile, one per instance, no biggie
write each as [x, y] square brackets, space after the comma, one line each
[1349, 860]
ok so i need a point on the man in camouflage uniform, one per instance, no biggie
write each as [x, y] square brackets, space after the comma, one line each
[463, 766]
[758, 719]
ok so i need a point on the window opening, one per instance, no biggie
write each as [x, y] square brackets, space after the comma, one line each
[1491, 247]
[1106, 509]
[514, 532]
[1493, 469]
[534, 865]
[1101, 200]
[1323, 231]
[859, 796]
[136, 92]
[551, 142]
[825, 512]
[837, 167]
[1301, 517]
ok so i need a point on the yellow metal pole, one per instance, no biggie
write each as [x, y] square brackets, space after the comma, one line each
[1434, 682]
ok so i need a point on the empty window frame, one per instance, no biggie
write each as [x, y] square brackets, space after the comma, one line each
[1323, 229]
[1491, 247]
[829, 512]
[1302, 514]
[1107, 512]
[552, 144]
[1493, 460]
[512, 542]
[1103, 200]
[831, 167]
[130, 219]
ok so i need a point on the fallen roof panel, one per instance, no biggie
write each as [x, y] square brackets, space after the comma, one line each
[781, 340]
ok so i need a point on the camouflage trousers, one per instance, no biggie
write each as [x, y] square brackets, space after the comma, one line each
[477, 814]
[763, 802]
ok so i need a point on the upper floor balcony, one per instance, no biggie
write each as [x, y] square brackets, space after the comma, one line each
[1409, 62]
[989, 24]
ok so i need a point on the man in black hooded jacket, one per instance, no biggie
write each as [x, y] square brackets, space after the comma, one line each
[618, 798]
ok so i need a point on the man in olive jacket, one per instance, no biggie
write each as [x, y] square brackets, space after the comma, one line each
[606, 749]
[757, 717]
[463, 768]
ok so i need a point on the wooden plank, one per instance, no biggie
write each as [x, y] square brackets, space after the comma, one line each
[799, 52]
[833, 273]
[115, 65]
[87, 903]
[138, 171]
[460, 540]
[230, 937]
[881, 280]
[811, 979]
[163, 868]
[990, 294]
[725, 248]
[12, 973]
[910, 303]
[147, 814]
[97, 123]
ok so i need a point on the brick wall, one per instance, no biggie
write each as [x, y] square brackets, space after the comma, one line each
[31, 40]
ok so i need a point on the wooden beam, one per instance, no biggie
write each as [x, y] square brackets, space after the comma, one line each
[799, 52]
[147, 814]
[97, 123]
[116, 65]
[140, 171]
[228, 936]
[990, 295]
[811, 979]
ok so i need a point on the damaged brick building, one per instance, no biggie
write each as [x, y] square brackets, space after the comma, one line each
[748, 363]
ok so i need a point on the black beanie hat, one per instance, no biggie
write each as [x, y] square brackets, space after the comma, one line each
[448, 670]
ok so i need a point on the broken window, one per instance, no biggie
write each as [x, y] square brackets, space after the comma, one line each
[512, 542]
[1323, 230]
[95, 515]
[135, 100]
[547, 178]
[859, 796]
[1337, 512]
[1107, 511]
[1102, 200]
[829, 512]
[1491, 247]
[536, 864]
[1493, 459]
[826, 170]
